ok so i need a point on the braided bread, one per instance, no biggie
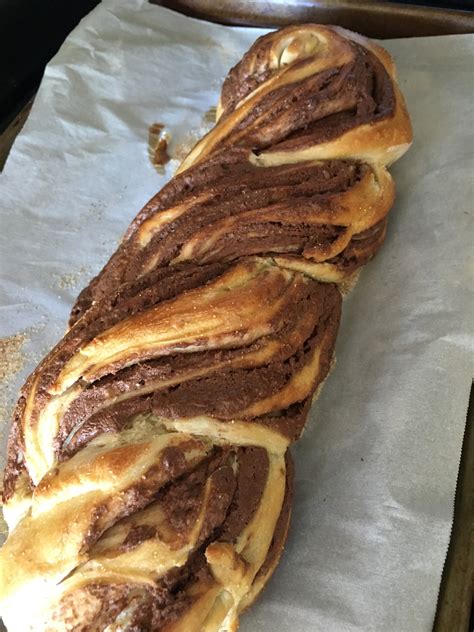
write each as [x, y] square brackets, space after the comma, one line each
[149, 484]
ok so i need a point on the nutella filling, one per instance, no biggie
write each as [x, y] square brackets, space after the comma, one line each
[224, 393]
[233, 188]
[234, 500]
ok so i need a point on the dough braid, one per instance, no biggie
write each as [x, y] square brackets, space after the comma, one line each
[148, 483]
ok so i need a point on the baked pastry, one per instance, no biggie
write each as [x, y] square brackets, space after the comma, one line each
[148, 483]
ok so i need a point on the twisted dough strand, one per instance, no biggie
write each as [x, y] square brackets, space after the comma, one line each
[148, 483]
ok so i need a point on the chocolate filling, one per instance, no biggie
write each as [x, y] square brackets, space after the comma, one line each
[362, 247]
[234, 500]
[227, 393]
[129, 299]
[293, 116]
[233, 187]
[374, 101]
[301, 190]
[316, 109]
[223, 393]
[251, 479]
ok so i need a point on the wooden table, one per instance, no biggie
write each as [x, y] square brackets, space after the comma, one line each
[455, 598]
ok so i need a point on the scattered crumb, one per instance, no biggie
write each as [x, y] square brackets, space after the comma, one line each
[97, 209]
[347, 285]
[160, 149]
[71, 279]
[210, 116]
[158, 139]
[6, 410]
[181, 150]
[12, 360]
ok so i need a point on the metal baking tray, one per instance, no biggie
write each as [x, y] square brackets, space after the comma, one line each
[382, 20]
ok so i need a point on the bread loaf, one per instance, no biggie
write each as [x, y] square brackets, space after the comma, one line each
[149, 482]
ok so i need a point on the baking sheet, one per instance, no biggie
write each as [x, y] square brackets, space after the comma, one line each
[376, 468]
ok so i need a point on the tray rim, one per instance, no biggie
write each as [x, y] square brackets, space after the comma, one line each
[411, 19]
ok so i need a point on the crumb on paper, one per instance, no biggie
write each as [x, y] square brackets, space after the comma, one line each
[71, 279]
[97, 209]
[12, 360]
[158, 140]
[181, 150]
[210, 116]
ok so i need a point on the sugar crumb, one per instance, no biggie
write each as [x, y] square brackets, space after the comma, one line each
[71, 279]
[210, 116]
[12, 359]
[158, 141]
[182, 149]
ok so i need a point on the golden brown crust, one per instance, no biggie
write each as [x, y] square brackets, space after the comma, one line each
[149, 483]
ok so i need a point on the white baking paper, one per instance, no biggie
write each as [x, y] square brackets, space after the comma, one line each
[376, 468]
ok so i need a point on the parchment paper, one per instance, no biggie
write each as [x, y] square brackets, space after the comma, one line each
[376, 469]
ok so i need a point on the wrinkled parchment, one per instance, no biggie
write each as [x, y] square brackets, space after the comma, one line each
[377, 466]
